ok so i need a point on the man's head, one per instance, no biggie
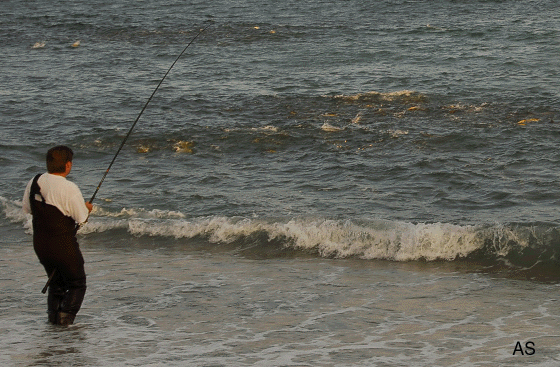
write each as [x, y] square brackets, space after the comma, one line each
[58, 159]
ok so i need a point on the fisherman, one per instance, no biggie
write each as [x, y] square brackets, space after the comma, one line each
[58, 208]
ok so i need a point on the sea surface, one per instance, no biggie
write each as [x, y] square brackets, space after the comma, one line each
[315, 183]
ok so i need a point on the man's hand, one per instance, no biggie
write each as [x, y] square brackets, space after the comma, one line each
[89, 206]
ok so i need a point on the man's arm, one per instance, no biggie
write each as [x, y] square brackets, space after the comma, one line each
[26, 205]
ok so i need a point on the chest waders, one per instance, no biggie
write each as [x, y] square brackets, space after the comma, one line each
[56, 246]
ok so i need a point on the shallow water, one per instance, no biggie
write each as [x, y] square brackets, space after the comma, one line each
[156, 307]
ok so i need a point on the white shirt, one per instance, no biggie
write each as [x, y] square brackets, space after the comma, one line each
[61, 193]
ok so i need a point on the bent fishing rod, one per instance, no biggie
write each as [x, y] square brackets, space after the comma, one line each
[142, 111]
[51, 276]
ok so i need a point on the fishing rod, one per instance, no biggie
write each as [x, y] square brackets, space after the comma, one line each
[142, 111]
[51, 276]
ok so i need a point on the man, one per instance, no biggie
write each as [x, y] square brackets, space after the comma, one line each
[58, 207]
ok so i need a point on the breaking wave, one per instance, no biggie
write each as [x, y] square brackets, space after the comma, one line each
[512, 246]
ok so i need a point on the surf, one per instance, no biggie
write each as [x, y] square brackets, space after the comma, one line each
[514, 246]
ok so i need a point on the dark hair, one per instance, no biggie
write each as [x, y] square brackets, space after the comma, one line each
[57, 158]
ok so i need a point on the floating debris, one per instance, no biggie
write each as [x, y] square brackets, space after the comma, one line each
[357, 118]
[143, 149]
[330, 128]
[39, 44]
[184, 147]
[525, 121]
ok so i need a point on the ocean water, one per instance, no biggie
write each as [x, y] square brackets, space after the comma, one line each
[314, 184]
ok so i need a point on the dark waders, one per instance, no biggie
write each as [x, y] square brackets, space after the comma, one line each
[56, 246]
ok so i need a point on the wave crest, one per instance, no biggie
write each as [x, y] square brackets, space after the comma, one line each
[513, 245]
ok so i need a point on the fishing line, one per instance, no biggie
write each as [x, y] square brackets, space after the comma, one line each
[142, 111]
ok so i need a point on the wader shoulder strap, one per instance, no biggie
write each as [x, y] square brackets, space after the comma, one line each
[35, 190]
